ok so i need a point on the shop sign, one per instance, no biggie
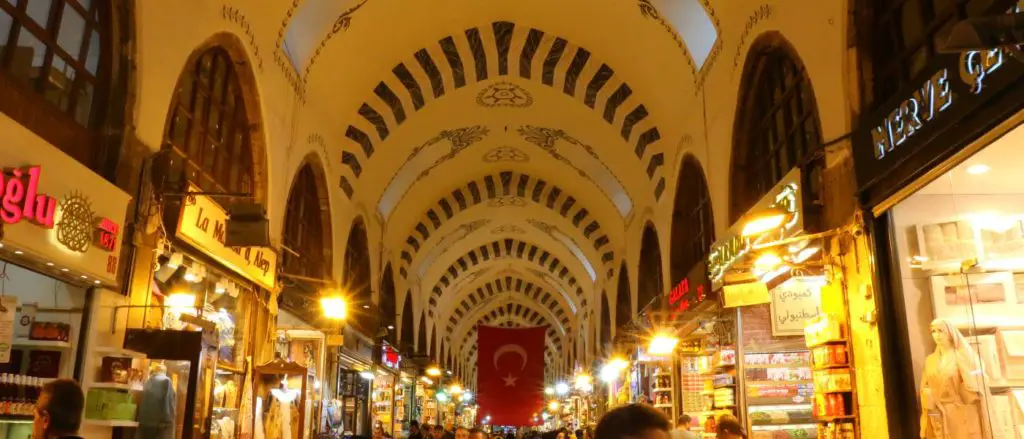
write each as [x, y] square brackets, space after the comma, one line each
[390, 357]
[794, 302]
[745, 294]
[691, 291]
[203, 223]
[724, 253]
[56, 210]
[953, 88]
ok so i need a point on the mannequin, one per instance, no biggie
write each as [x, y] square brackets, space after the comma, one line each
[283, 419]
[158, 406]
[950, 387]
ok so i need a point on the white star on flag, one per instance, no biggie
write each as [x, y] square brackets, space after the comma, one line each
[510, 381]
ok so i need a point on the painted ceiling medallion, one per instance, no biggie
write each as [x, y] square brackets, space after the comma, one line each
[504, 94]
[508, 229]
[507, 201]
[506, 154]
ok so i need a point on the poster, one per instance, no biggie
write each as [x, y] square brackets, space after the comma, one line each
[8, 310]
[793, 303]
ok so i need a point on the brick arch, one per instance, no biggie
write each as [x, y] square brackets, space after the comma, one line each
[506, 187]
[506, 248]
[507, 284]
[444, 63]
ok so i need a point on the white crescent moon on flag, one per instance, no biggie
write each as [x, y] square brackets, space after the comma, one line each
[514, 348]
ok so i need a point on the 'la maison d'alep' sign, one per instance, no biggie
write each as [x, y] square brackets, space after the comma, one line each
[203, 224]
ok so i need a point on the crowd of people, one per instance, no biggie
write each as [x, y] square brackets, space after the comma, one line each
[58, 415]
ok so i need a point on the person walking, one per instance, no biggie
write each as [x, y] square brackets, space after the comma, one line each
[414, 430]
[58, 413]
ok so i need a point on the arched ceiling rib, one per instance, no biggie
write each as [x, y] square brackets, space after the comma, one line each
[509, 190]
[486, 52]
[510, 287]
[509, 249]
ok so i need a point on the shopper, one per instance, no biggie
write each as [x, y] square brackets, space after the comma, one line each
[633, 421]
[58, 413]
[682, 430]
[477, 433]
[461, 433]
[438, 432]
[414, 430]
[428, 431]
[730, 428]
[449, 431]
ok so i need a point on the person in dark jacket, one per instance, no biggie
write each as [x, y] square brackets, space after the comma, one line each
[414, 430]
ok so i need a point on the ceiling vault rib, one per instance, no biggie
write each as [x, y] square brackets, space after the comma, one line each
[503, 35]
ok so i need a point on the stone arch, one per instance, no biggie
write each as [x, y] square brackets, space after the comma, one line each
[506, 188]
[542, 68]
[407, 341]
[421, 343]
[623, 299]
[774, 83]
[693, 223]
[248, 89]
[650, 284]
[606, 321]
[307, 233]
[387, 304]
[356, 278]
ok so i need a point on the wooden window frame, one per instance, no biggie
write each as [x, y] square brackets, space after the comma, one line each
[196, 97]
[693, 221]
[27, 104]
[304, 228]
[890, 55]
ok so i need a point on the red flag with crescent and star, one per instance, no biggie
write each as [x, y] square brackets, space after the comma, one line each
[510, 374]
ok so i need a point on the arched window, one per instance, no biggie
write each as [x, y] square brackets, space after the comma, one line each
[388, 307]
[408, 338]
[208, 133]
[693, 225]
[357, 279]
[623, 305]
[306, 234]
[777, 126]
[55, 70]
[649, 283]
[899, 38]
[606, 321]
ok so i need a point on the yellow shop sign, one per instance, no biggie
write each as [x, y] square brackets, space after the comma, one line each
[203, 224]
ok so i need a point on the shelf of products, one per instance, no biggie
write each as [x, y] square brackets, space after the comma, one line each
[834, 404]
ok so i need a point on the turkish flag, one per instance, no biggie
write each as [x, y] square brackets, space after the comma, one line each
[510, 374]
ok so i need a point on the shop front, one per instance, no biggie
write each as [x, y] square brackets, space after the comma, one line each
[349, 412]
[207, 305]
[939, 168]
[60, 249]
[786, 373]
[300, 343]
[386, 386]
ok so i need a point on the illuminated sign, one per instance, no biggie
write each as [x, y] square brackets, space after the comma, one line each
[22, 200]
[105, 235]
[932, 98]
[690, 292]
[203, 223]
[390, 357]
[911, 115]
[724, 253]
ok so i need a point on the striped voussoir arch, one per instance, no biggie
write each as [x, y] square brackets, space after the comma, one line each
[487, 52]
[499, 185]
[508, 284]
[501, 249]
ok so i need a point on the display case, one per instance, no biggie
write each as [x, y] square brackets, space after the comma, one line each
[121, 381]
[383, 402]
[189, 358]
[279, 387]
[779, 392]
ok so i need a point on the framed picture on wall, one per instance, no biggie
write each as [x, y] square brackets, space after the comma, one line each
[979, 300]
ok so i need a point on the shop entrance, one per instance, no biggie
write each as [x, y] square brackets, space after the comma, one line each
[957, 253]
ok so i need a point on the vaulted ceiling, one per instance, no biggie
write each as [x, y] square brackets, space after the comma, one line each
[503, 146]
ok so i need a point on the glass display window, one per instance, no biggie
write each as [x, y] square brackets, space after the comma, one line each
[959, 255]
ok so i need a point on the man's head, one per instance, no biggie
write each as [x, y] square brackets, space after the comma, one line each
[730, 428]
[58, 410]
[634, 421]
[684, 422]
[462, 433]
[437, 432]
[427, 430]
[477, 433]
[414, 426]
